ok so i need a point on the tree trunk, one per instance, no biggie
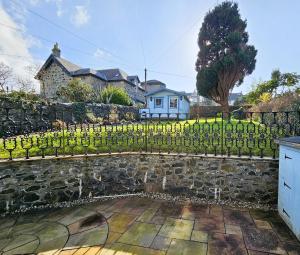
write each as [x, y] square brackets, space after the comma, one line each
[225, 107]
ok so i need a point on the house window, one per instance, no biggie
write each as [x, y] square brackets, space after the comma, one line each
[173, 102]
[158, 102]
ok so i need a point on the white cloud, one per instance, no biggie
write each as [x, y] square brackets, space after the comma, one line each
[81, 16]
[100, 54]
[16, 43]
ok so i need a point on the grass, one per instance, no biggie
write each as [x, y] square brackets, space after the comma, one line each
[210, 136]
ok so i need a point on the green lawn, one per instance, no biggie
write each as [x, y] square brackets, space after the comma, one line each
[211, 136]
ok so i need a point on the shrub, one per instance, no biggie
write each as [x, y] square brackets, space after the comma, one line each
[265, 97]
[76, 91]
[115, 95]
[20, 95]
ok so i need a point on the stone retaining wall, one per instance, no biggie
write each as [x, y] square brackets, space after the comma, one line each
[38, 182]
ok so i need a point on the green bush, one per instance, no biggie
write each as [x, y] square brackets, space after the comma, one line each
[115, 95]
[77, 91]
[20, 95]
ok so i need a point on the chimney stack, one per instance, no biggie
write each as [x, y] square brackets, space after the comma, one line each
[56, 50]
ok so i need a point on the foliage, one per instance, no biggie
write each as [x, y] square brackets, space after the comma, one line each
[265, 97]
[289, 101]
[76, 91]
[115, 95]
[224, 58]
[5, 75]
[286, 82]
[20, 95]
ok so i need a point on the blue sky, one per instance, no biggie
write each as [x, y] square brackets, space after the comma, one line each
[132, 34]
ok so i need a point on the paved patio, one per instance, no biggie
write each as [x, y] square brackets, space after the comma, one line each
[143, 226]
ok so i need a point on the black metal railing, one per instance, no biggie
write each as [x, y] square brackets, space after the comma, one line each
[42, 133]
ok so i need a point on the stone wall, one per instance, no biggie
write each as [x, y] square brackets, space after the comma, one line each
[37, 182]
[52, 79]
[81, 112]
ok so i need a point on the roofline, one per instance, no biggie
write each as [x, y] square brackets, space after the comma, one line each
[169, 90]
[87, 74]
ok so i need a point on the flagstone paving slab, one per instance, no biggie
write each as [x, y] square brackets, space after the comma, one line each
[226, 245]
[199, 236]
[140, 234]
[120, 222]
[175, 228]
[233, 229]
[94, 236]
[237, 217]
[210, 224]
[264, 240]
[148, 227]
[183, 247]
[24, 249]
[170, 210]
[84, 224]
[147, 215]
[161, 243]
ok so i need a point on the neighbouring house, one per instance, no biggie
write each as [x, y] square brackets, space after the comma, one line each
[153, 85]
[57, 72]
[167, 103]
[196, 99]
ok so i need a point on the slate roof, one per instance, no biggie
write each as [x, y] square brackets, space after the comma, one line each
[133, 77]
[114, 74]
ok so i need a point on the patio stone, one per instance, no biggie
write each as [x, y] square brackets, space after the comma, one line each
[5, 223]
[174, 228]
[54, 236]
[92, 237]
[161, 243]
[262, 224]
[292, 248]
[256, 253]
[120, 222]
[141, 234]
[89, 222]
[226, 245]
[159, 220]
[147, 215]
[236, 217]
[125, 249]
[170, 210]
[76, 215]
[199, 236]
[233, 229]
[24, 249]
[262, 240]
[183, 247]
[82, 230]
[19, 241]
[112, 237]
[209, 224]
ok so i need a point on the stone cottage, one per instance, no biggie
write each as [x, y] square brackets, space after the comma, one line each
[57, 72]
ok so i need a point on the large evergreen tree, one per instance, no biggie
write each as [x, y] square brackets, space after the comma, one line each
[224, 58]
